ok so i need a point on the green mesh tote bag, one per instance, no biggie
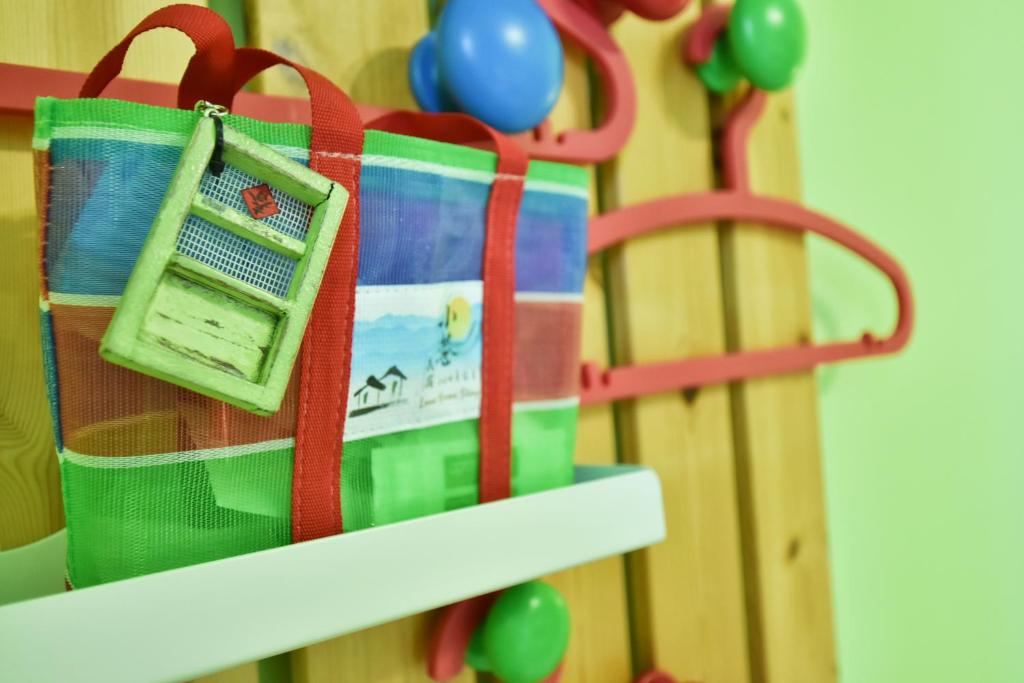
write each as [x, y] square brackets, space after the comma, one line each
[439, 367]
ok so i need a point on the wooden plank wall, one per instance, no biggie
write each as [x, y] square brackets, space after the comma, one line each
[689, 613]
[596, 593]
[739, 592]
[775, 422]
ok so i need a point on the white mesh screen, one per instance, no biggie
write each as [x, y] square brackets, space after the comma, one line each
[232, 255]
[292, 218]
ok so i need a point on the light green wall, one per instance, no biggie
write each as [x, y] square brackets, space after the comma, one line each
[912, 130]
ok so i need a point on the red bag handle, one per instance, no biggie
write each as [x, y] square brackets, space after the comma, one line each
[499, 274]
[336, 147]
[497, 379]
[335, 151]
[208, 74]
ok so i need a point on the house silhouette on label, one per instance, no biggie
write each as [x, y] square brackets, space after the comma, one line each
[378, 393]
[393, 380]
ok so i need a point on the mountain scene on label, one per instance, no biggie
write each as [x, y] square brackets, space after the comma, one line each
[396, 359]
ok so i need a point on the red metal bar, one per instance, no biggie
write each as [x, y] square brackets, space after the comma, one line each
[23, 84]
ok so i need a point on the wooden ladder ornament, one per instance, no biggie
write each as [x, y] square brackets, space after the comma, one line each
[220, 296]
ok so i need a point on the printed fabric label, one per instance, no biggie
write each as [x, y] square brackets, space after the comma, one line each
[416, 352]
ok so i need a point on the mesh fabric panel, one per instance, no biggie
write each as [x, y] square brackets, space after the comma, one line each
[127, 521]
[238, 257]
[157, 477]
[426, 471]
[292, 217]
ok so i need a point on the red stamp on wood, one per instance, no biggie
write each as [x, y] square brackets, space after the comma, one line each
[260, 201]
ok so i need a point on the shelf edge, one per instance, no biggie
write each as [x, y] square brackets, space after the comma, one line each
[253, 606]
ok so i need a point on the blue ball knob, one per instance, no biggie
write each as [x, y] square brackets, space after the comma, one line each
[501, 62]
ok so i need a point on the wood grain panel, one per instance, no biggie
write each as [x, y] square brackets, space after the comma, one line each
[776, 430]
[68, 35]
[361, 46]
[599, 645]
[687, 593]
[391, 653]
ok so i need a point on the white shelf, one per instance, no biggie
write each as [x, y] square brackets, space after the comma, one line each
[189, 622]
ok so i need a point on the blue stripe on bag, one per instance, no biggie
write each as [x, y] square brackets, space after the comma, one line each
[417, 228]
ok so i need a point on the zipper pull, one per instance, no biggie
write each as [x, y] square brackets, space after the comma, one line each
[216, 112]
[209, 109]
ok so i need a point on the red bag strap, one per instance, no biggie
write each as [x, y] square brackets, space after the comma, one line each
[208, 75]
[335, 151]
[499, 274]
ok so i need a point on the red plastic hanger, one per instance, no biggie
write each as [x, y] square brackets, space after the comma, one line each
[585, 28]
[736, 202]
[584, 22]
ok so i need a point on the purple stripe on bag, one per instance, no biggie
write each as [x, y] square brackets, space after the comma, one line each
[416, 227]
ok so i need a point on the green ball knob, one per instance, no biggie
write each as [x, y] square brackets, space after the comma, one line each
[767, 39]
[721, 73]
[524, 636]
